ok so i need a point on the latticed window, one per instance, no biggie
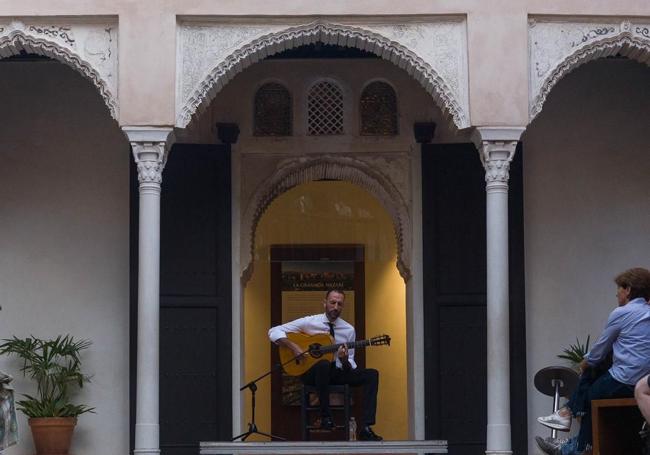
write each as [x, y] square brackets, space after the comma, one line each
[325, 109]
[273, 115]
[378, 108]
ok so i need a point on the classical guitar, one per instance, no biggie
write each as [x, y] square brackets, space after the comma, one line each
[318, 347]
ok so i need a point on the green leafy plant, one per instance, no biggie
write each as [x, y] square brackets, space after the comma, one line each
[55, 365]
[575, 353]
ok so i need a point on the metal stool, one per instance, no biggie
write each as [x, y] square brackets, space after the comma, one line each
[306, 407]
[556, 382]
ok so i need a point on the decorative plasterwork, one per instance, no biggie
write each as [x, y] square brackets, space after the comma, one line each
[558, 47]
[496, 147]
[432, 52]
[294, 171]
[87, 46]
[150, 147]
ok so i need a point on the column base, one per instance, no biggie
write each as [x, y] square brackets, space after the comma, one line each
[498, 439]
[147, 439]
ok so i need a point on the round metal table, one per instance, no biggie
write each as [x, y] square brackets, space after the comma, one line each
[556, 381]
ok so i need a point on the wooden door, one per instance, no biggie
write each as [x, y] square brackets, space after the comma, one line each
[454, 251]
[195, 299]
[285, 404]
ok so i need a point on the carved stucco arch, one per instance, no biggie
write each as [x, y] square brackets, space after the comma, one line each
[18, 40]
[624, 44]
[327, 33]
[296, 171]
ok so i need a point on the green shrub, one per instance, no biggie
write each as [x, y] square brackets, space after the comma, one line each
[55, 366]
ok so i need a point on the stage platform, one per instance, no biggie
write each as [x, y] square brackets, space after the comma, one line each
[324, 447]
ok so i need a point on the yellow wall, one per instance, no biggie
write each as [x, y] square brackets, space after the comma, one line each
[334, 212]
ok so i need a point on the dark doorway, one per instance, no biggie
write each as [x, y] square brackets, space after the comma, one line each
[195, 298]
[454, 251]
[285, 412]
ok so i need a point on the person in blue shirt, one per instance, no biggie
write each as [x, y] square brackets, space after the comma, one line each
[627, 337]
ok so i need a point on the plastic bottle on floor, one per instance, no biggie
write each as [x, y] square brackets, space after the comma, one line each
[353, 429]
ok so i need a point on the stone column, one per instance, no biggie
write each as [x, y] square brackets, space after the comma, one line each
[150, 146]
[496, 148]
[424, 134]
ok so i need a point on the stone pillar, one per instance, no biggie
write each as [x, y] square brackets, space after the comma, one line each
[150, 146]
[496, 148]
[424, 134]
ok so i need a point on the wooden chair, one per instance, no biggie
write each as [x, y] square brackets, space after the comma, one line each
[310, 408]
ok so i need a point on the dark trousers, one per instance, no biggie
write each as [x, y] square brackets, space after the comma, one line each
[590, 388]
[325, 373]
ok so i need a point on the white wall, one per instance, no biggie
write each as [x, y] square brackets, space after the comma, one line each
[64, 245]
[587, 209]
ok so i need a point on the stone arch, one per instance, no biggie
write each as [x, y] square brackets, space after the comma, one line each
[625, 44]
[20, 40]
[293, 172]
[328, 33]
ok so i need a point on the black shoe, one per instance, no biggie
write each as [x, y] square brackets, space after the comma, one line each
[366, 434]
[326, 423]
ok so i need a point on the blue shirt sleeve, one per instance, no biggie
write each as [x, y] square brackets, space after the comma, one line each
[603, 346]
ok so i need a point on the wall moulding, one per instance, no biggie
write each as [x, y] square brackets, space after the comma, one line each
[87, 45]
[557, 47]
[291, 172]
[432, 51]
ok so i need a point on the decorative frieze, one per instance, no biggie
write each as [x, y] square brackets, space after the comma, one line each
[87, 45]
[557, 47]
[433, 51]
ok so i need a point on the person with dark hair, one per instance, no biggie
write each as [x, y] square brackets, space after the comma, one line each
[627, 337]
[343, 370]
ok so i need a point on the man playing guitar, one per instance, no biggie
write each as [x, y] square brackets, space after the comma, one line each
[343, 371]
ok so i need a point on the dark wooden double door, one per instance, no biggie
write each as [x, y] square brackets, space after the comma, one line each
[454, 252]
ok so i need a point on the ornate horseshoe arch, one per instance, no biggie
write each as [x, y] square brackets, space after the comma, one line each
[559, 48]
[293, 172]
[59, 42]
[197, 89]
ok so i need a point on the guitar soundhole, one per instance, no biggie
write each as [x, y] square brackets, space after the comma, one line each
[314, 350]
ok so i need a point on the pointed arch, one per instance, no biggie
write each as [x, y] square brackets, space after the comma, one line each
[625, 44]
[294, 172]
[328, 33]
[19, 40]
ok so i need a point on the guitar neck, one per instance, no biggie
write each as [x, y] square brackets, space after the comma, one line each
[349, 345]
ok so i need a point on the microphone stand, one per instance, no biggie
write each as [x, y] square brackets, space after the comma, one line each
[252, 427]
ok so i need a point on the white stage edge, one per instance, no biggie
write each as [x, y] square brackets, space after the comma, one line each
[325, 447]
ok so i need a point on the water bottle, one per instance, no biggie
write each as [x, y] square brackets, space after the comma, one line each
[353, 429]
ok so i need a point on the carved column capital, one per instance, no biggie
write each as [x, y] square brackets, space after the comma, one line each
[150, 149]
[150, 158]
[496, 148]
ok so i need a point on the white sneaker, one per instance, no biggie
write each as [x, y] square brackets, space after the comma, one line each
[556, 421]
[549, 446]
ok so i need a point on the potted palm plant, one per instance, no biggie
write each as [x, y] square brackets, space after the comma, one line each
[575, 353]
[55, 366]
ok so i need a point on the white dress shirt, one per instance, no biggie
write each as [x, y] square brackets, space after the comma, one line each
[318, 323]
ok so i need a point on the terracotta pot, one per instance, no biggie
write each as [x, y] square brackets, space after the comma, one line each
[52, 435]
